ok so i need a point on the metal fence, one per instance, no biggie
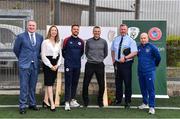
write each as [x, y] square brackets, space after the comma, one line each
[15, 13]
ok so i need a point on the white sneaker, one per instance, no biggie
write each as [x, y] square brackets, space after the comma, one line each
[67, 107]
[74, 103]
[151, 110]
[143, 106]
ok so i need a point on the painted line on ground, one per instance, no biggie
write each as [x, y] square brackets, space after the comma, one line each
[108, 107]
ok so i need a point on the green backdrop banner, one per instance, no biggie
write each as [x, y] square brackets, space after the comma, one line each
[157, 35]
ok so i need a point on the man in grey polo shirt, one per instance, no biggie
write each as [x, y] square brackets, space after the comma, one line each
[96, 51]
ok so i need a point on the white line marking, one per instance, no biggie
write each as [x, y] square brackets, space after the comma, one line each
[108, 107]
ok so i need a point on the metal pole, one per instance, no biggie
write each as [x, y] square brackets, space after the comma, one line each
[51, 18]
[57, 12]
[137, 9]
[92, 12]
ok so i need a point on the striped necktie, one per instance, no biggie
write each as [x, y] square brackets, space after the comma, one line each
[32, 40]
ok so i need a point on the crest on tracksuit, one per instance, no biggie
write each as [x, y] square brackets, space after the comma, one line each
[79, 43]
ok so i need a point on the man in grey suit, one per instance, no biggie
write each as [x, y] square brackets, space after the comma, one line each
[27, 50]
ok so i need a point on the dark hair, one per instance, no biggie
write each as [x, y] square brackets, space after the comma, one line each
[123, 25]
[49, 33]
[96, 27]
[74, 25]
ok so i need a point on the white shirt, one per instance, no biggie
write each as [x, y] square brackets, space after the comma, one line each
[128, 42]
[47, 49]
[33, 36]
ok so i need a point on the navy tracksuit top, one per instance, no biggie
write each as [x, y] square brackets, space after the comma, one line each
[148, 57]
[73, 49]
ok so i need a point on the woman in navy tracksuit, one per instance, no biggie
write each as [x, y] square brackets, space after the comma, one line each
[148, 59]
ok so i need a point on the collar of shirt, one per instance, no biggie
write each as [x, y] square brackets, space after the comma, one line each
[96, 38]
[144, 45]
[124, 36]
[30, 35]
[34, 36]
[74, 36]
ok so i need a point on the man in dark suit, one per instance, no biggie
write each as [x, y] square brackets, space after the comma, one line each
[27, 50]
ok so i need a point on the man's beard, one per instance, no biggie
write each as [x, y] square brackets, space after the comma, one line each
[75, 34]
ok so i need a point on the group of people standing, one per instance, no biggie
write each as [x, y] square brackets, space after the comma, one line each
[30, 47]
[123, 50]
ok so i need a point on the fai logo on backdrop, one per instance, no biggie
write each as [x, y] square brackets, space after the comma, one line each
[111, 35]
[133, 32]
[155, 34]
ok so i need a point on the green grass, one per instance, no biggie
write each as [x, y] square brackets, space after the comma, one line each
[171, 102]
[90, 112]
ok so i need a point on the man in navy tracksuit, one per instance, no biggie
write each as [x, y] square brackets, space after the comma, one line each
[148, 59]
[73, 49]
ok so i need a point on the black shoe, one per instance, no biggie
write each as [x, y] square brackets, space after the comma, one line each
[101, 105]
[44, 105]
[22, 111]
[34, 108]
[117, 103]
[53, 110]
[85, 104]
[127, 106]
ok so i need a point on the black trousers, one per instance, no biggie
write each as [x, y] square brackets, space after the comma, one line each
[90, 69]
[71, 82]
[123, 74]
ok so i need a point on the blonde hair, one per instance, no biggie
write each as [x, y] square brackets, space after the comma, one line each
[49, 33]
